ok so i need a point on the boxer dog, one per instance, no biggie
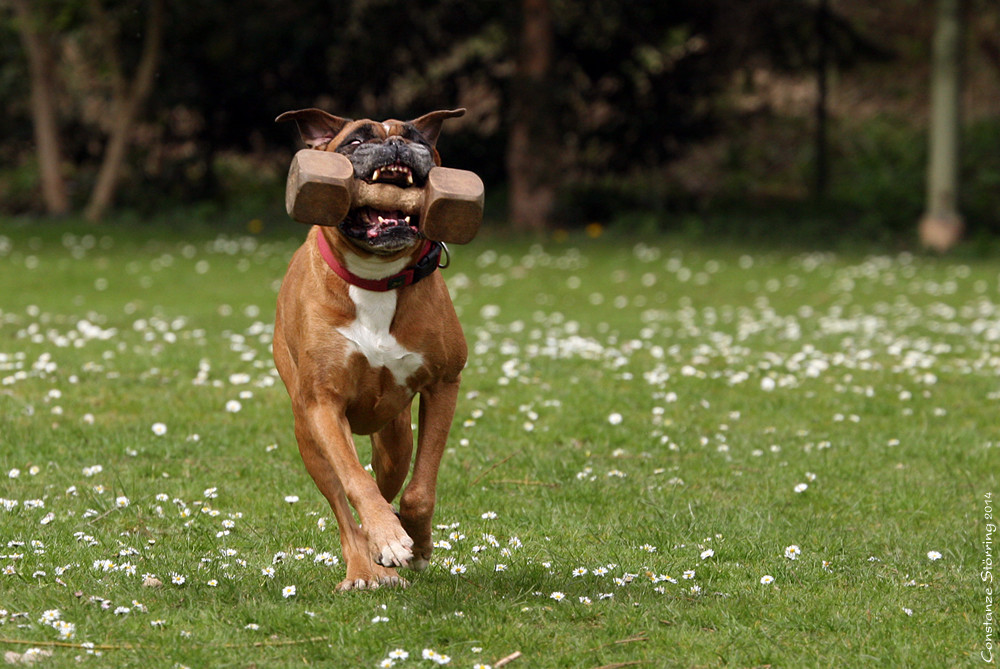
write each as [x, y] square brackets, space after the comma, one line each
[364, 324]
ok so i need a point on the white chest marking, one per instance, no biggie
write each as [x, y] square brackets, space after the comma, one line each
[369, 332]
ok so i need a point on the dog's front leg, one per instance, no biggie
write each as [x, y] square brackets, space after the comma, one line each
[416, 507]
[379, 543]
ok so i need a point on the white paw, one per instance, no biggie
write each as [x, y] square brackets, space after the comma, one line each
[373, 583]
[396, 553]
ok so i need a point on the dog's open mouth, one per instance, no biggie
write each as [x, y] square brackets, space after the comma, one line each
[370, 225]
[381, 229]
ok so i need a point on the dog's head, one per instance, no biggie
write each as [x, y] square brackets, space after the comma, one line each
[396, 152]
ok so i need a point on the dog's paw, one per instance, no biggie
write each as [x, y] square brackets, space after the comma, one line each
[421, 557]
[395, 552]
[372, 583]
[419, 563]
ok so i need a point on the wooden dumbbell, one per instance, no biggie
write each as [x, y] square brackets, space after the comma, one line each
[321, 189]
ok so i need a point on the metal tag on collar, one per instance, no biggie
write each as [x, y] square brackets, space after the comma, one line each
[446, 255]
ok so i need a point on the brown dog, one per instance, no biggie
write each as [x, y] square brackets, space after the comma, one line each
[364, 323]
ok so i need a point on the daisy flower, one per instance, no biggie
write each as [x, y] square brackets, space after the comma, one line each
[268, 571]
[233, 406]
[689, 574]
[558, 596]
[766, 579]
[288, 591]
[66, 630]
[159, 429]
[580, 571]
[177, 579]
[398, 654]
[793, 552]
[933, 555]
[50, 616]
[707, 553]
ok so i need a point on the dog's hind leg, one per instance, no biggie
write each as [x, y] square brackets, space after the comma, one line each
[392, 447]
[416, 507]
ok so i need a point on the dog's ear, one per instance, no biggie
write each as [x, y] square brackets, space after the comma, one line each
[316, 126]
[429, 125]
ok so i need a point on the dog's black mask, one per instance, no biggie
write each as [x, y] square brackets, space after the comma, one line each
[402, 160]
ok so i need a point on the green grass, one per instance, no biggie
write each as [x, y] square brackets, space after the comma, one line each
[621, 395]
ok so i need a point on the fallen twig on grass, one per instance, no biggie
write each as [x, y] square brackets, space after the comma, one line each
[127, 646]
[488, 470]
[507, 660]
[525, 482]
[66, 644]
[641, 636]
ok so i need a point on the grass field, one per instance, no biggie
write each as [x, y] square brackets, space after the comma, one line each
[665, 454]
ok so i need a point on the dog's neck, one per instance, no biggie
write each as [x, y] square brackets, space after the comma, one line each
[378, 273]
[373, 267]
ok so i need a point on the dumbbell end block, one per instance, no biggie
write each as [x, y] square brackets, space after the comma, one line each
[318, 190]
[321, 190]
[453, 205]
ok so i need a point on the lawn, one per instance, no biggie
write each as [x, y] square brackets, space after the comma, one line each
[666, 453]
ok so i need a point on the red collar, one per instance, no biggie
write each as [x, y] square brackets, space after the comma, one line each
[426, 265]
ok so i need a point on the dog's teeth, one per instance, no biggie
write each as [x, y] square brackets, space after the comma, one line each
[376, 174]
[381, 220]
[409, 178]
[407, 219]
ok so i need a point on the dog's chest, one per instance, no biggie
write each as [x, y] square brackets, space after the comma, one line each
[370, 335]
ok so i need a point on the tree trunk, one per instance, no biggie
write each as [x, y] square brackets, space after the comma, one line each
[41, 67]
[942, 225]
[822, 90]
[533, 161]
[127, 102]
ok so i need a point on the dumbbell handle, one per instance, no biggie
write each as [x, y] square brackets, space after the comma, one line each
[321, 190]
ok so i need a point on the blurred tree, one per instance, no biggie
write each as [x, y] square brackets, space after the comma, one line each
[41, 47]
[941, 226]
[127, 97]
[89, 36]
[533, 156]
